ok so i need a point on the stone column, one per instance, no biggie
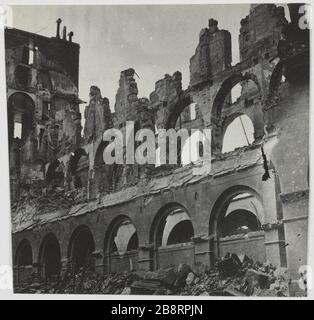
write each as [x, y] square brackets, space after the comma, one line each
[273, 226]
[202, 250]
[98, 261]
[145, 257]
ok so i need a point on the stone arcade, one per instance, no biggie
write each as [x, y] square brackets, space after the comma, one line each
[69, 209]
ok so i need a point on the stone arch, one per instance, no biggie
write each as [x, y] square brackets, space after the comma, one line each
[24, 254]
[176, 111]
[249, 212]
[235, 221]
[79, 168]
[223, 201]
[218, 103]
[50, 256]
[81, 248]
[23, 261]
[121, 245]
[171, 233]
[55, 174]
[274, 84]
[21, 110]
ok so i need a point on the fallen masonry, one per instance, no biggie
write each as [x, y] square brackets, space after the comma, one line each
[160, 229]
[247, 278]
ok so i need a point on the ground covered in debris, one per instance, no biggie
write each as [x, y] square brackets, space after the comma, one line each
[232, 276]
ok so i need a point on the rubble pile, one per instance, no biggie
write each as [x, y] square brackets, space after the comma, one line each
[234, 275]
[237, 275]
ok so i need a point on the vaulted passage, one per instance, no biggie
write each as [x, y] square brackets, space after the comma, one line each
[172, 236]
[240, 216]
[50, 257]
[121, 246]
[82, 245]
[23, 263]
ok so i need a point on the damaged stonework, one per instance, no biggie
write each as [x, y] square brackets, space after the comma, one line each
[253, 202]
[98, 117]
[212, 55]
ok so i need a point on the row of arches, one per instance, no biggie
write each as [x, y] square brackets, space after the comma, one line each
[171, 234]
[231, 131]
[241, 126]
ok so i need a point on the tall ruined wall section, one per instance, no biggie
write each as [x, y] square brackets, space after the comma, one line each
[212, 55]
[43, 104]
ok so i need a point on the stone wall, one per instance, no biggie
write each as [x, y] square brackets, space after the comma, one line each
[273, 169]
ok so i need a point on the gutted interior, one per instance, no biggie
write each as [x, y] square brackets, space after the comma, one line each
[113, 218]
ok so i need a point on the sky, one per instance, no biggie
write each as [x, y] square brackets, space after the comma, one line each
[153, 39]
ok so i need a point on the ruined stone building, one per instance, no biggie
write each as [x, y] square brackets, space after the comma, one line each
[70, 209]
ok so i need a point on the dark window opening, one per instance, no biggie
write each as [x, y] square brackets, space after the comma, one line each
[82, 249]
[133, 243]
[240, 222]
[24, 255]
[124, 238]
[51, 257]
[20, 116]
[22, 75]
[174, 228]
[55, 175]
[25, 55]
[181, 233]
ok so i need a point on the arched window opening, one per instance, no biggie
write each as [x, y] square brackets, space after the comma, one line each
[181, 233]
[250, 89]
[82, 247]
[22, 75]
[124, 237]
[237, 219]
[24, 254]
[172, 234]
[55, 174]
[133, 243]
[50, 257]
[240, 222]
[25, 55]
[20, 116]
[239, 133]
[175, 228]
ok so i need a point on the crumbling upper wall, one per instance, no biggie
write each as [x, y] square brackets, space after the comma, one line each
[260, 31]
[97, 114]
[125, 97]
[42, 91]
[212, 55]
[165, 97]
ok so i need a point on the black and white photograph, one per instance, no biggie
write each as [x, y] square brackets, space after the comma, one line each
[157, 149]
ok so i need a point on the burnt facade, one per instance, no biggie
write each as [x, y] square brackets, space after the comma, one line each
[70, 209]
